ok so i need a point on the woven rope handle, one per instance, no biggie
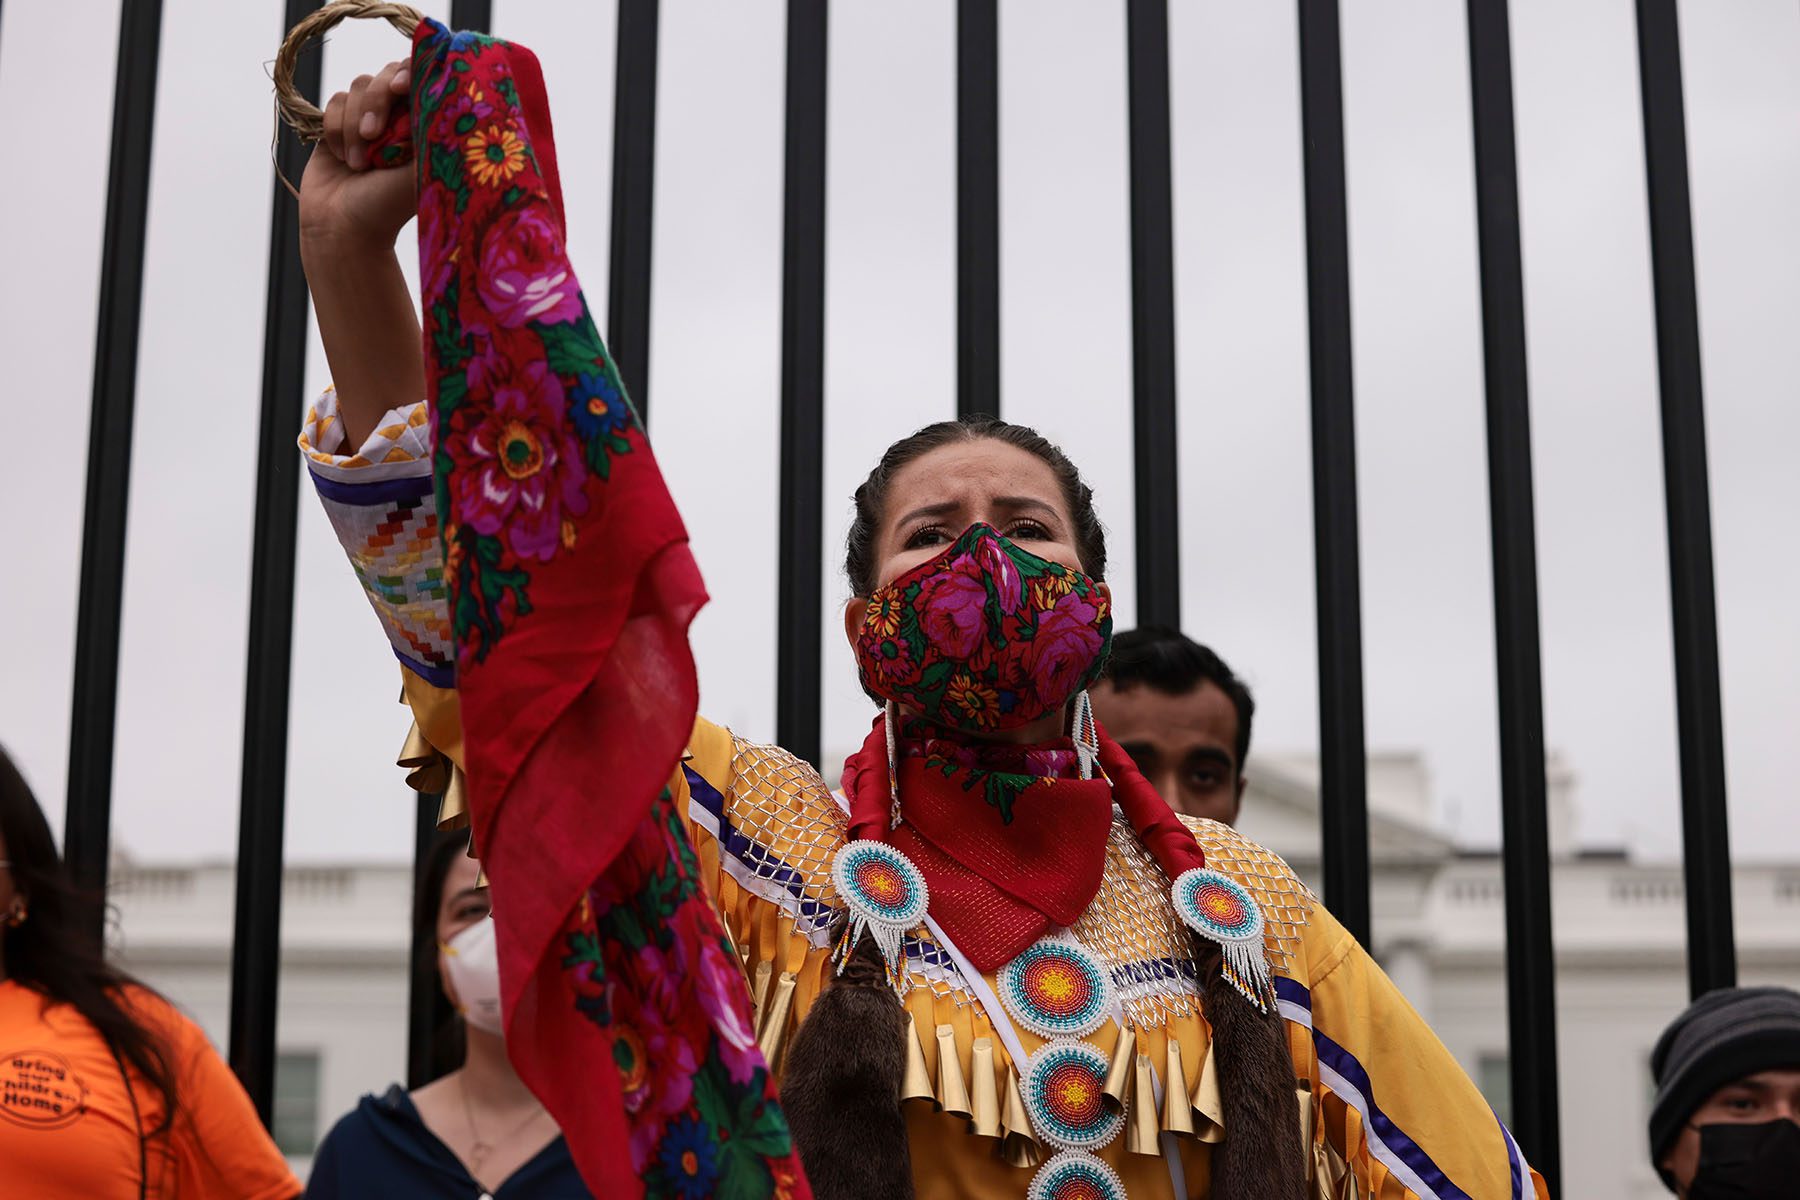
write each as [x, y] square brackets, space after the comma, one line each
[301, 114]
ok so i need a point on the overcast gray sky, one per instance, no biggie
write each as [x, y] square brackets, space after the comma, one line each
[1242, 370]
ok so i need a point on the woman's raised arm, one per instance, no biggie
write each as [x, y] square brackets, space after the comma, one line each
[367, 439]
[350, 214]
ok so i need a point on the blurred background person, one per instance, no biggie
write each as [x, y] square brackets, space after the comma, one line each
[1184, 718]
[475, 1130]
[1726, 1119]
[106, 1091]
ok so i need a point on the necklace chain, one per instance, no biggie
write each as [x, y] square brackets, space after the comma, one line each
[479, 1150]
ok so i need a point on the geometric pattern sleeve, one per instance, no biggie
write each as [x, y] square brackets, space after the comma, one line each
[378, 498]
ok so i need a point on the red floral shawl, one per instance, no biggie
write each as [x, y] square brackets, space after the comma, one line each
[570, 588]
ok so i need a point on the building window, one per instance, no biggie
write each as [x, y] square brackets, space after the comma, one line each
[295, 1119]
[1493, 1075]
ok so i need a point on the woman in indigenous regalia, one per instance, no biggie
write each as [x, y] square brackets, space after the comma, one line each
[993, 963]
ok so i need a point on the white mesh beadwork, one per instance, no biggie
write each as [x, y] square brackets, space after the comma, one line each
[789, 829]
[1132, 925]
[778, 830]
[782, 827]
[1286, 902]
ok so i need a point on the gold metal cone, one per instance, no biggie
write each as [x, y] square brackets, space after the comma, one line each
[952, 1092]
[1141, 1127]
[1018, 1145]
[1178, 1114]
[1117, 1092]
[759, 992]
[1208, 1108]
[1303, 1097]
[427, 768]
[916, 1084]
[771, 1038]
[984, 1098]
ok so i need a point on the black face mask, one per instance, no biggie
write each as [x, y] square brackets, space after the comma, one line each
[1748, 1162]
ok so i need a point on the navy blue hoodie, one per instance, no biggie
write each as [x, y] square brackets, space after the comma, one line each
[381, 1150]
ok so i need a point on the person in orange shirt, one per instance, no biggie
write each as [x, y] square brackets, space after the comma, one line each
[107, 1092]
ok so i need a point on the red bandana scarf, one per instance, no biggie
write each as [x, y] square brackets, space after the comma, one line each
[570, 588]
[1003, 876]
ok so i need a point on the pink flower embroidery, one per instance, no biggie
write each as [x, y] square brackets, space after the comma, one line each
[520, 471]
[1009, 588]
[952, 611]
[437, 242]
[721, 987]
[655, 1012]
[468, 110]
[1064, 648]
[525, 273]
[488, 367]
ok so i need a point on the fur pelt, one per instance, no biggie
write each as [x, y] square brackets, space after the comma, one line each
[841, 1087]
[1260, 1158]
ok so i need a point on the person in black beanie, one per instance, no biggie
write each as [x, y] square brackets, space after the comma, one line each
[1726, 1119]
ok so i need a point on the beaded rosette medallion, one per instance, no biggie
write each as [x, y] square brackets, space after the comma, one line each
[1073, 1175]
[886, 895]
[1057, 988]
[1061, 990]
[1065, 1095]
[1219, 908]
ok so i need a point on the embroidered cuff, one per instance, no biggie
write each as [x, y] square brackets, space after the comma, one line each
[399, 447]
[379, 502]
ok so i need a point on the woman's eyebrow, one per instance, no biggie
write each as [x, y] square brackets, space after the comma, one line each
[941, 509]
[1012, 504]
[1026, 504]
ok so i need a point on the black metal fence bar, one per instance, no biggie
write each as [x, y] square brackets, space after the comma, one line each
[472, 14]
[1343, 765]
[633, 195]
[88, 821]
[425, 1004]
[977, 207]
[424, 999]
[797, 653]
[1153, 314]
[1706, 860]
[1530, 957]
[262, 805]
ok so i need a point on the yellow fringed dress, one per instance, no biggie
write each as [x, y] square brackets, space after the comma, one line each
[1386, 1112]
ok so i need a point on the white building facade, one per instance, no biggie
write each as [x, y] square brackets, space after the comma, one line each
[1439, 930]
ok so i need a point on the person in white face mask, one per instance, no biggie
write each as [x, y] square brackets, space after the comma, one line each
[474, 1132]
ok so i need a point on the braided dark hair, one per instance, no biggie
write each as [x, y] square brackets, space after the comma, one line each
[872, 496]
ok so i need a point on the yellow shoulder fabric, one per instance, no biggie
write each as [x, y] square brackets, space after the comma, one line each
[1390, 1100]
[765, 828]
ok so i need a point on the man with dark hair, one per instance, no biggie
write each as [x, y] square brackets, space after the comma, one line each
[1726, 1118]
[1182, 715]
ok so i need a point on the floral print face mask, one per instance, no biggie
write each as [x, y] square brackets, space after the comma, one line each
[984, 637]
